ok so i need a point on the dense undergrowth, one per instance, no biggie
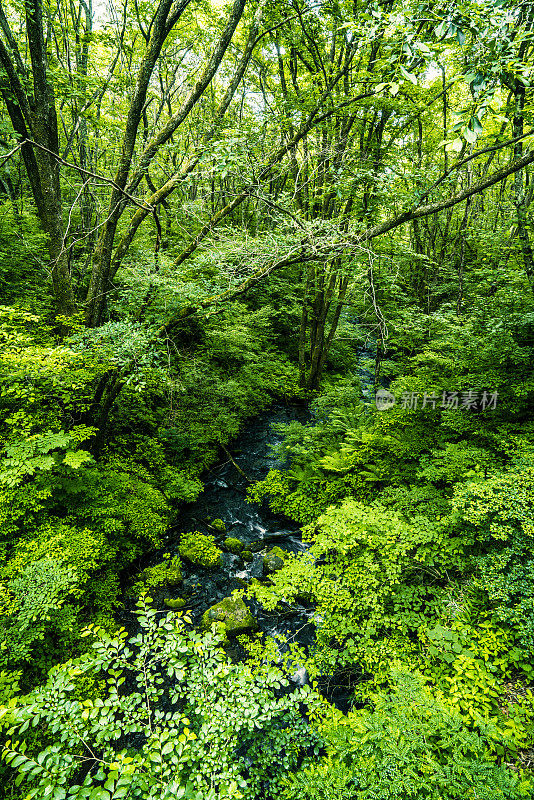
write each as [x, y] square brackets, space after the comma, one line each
[208, 208]
[420, 523]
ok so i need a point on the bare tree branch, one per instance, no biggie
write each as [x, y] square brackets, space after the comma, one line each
[432, 208]
[149, 209]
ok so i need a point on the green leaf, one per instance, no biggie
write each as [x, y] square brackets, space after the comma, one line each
[476, 124]
[408, 75]
[456, 146]
[75, 458]
[469, 135]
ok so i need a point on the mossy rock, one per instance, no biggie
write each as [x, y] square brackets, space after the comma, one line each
[247, 555]
[166, 573]
[233, 545]
[218, 525]
[274, 560]
[200, 548]
[233, 614]
[179, 602]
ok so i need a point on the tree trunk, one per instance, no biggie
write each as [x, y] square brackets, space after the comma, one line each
[520, 197]
[166, 16]
[33, 116]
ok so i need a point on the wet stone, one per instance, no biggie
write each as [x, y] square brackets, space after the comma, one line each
[256, 568]
[233, 615]
[225, 499]
[233, 545]
[274, 560]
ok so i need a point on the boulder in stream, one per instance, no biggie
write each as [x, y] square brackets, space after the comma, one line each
[233, 614]
[199, 548]
[175, 603]
[274, 560]
[163, 574]
[233, 545]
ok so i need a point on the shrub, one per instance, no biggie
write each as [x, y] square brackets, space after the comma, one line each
[409, 745]
[177, 720]
[200, 548]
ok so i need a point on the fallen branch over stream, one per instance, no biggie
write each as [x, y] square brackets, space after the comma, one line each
[236, 465]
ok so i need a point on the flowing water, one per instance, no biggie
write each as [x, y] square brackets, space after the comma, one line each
[224, 498]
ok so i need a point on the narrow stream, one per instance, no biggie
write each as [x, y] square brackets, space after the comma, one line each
[224, 498]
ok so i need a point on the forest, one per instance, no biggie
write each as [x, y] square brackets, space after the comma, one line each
[266, 400]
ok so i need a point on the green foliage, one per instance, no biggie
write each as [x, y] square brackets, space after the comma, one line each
[416, 499]
[176, 720]
[408, 745]
[90, 517]
[200, 548]
[455, 462]
[497, 515]
[349, 451]
[124, 503]
[125, 345]
[36, 597]
[209, 393]
[37, 453]
[365, 571]
[43, 386]
[312, 495]
[68, 526]
[420, 520]
[471, 664]
[22, 256]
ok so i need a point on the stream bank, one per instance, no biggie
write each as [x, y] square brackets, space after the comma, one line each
[223, 511]
[224, 499]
